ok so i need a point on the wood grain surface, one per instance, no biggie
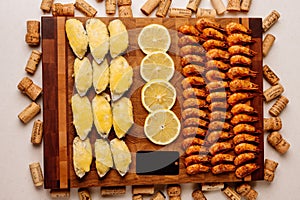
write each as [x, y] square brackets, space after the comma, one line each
[58, 86]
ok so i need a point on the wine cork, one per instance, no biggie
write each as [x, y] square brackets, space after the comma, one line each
[110, 7]
[180, 12]
[174, 190]
[203, 12]
[59, 9]
[198, 195]
[245, 5]
[212, 186]
[163, 8]
[33, 61]
[36, 174]
[193, 5]
[269, 170]
[270, 76]
[149, 6]
[37, 132]
[124, 2]
[46, 5]
[27, 87]
[112, 191]
[234, 5]
[276, 140]
[84, 194]
[246, 191]
[29, 112]
[270, 20]
[143, 189]
[85, 8]
[137, 197]
[59, 193]
[278, 106]
[125, 11]
[273, 92]
[231, 194]
[158, 196]
[219, 6]
[175, 198]
[32, 37]
[272, 124]
[268, 43]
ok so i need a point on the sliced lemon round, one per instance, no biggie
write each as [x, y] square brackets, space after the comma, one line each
[158, 94]
[154, 37]
[157, 65]
[162, 127]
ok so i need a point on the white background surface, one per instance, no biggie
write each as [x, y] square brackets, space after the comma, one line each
[16, 151]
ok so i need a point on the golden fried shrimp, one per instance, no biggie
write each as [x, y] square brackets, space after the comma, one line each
[244, 128]
[217, 64]
[194, 103]
[243, 118]
[220, 147]
[239, 97]
[188, 30]
[217, 85]
[242, 85]
[218, 125]
[244, 137]
[192, 81]
[194, 92]
[191, 50]
[222, 168]
[203, 23]
[188, 40]
[219, 115]
[216, 96]
[243, 158]
[222, 158]
[245, 147]
[218, 135]
[191, 59]
[211, 33]
[214, 106]
[197, 169]
[215, 75]
[243, 108]
[241, 50]
[193, 112]
[234, 27]
[195, 122]
[240, 60]
[214, 44]
[196, 149]
[193, 70]
[193, 131]
[192, 141]
[246, 170]
[239, 38]
[217, 54]
[240, 72]
[196, 159]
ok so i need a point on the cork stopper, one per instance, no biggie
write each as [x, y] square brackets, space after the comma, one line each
[278, 106]
[245, 5]
[203, 12]
[231, 194]
[143, 189]
[112, 191]
[270, 76]
[37, 132]
[32, 37]
[268, 43]
[33, 61]
[36, 174]
[59, 9]
[233, 5]
[158, 196]
[137, 197]
[175, 198]
[278, 143]
[273, 92]
[124, 2]
[46, 5]
[27, 87]
[193, 5]
[219, 6]
[85, 8]
[212, 186]
[272, 124]
[174, 190]
[243, 189]
[149, 6]
[269, 170]
[270, 20]
[29, 112]
[163, 8]
[125, 11]
[59, 193]
[198, 195]
[110, 7]
[180, 12]
[84, 194]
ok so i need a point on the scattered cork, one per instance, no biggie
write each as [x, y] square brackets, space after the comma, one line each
[203, 12]
[270, 76]
[174, 190]
[110, 7]
[193, 5]
[180, 13]
[269, 170]
[273, 92]
[268, 43]
[37, 132]
[27, 87]
[234, 5]
[149, 6]
[219, 6]
[278, 106]
[59, 193]
[84, 194]
[36, 174]
[137, 197]
[33, 61]
[212, 186]
[143, 189]
[29, 112]
[163, 8]
[32, 37]
[59, 9]
[112, 191]
[125, 11]
[276, 140]
[231, 194]
[198, 195]
[245, 5]
[158, 196]
[272, 124]
[246, 191]
[46, 5]
[124, 3]
[270, 20]
[85, 8]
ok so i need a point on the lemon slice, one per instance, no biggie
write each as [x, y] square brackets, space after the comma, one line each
[158, 94]
[157, 65]
[162, 127]
[154, 37]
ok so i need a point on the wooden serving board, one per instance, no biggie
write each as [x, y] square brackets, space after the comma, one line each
[58, 86]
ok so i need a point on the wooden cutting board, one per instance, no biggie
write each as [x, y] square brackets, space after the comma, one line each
[58, 86]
